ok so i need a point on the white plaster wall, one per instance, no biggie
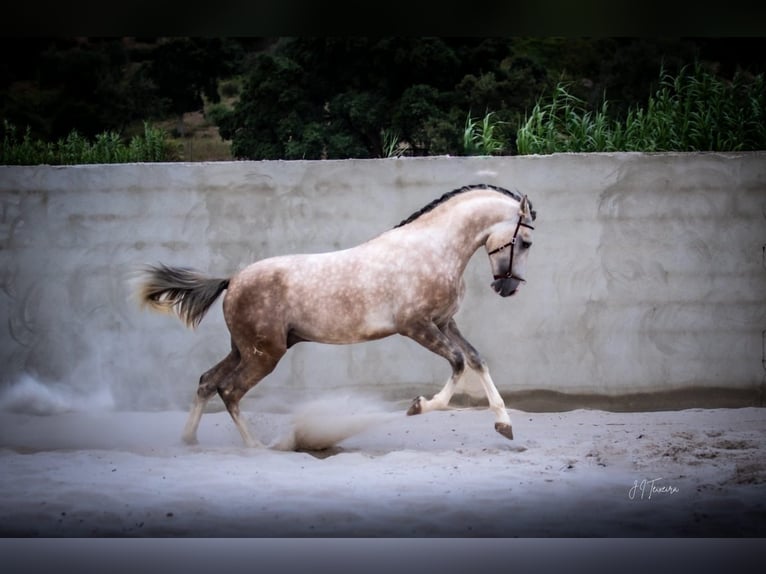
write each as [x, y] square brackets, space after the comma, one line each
[647, 272]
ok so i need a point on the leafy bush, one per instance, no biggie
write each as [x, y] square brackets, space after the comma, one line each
[693, 111]
[108, 147]
[217, 113]
[231, 87]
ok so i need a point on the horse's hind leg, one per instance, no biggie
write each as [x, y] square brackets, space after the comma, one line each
[208, 384]
[251, 369]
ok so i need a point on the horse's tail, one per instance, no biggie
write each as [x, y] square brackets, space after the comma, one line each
[181, 290]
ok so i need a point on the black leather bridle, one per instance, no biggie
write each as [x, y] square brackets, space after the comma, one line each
[509, 274]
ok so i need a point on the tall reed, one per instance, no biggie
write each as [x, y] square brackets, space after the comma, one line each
[692, 111]
[482, 137]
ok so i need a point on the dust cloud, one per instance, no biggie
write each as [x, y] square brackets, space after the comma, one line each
[322, 423]
[31, 396]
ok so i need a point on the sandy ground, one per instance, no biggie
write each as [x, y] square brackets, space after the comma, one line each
[444, 474]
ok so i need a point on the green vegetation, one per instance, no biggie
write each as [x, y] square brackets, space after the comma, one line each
[357, 97]
[482, 138]
[107, 147]
[316, 98]
[691, 111]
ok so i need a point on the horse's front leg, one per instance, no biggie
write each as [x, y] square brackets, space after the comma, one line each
[435, 340]
[477, 364]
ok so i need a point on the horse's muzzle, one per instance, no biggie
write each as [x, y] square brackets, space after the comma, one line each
[506, 286]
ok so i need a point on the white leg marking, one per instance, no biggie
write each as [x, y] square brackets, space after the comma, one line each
[441, 399]
[246, 436]
[496, 404]
[190, 430]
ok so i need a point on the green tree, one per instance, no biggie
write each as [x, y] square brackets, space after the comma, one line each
[274, 113]
[343, 97]
[58, 85]
[186, 69]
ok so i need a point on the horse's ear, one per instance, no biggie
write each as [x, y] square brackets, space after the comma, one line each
[524, 209]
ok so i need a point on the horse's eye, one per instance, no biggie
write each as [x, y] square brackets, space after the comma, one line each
[526, 244]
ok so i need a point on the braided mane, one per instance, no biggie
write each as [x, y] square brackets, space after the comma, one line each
[449, 195]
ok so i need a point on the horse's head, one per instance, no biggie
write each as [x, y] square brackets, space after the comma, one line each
[508, 247]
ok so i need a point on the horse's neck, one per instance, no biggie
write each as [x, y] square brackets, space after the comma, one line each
[463, 226]
[475, 217]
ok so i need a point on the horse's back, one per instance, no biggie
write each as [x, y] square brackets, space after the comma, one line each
[311, 297]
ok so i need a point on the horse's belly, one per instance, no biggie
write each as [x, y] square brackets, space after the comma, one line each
[346, 328]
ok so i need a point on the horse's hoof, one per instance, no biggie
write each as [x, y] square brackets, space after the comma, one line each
[190, 440]
[416, 407]
[505, 430]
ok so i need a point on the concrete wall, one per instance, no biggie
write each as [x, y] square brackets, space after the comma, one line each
[645, 288]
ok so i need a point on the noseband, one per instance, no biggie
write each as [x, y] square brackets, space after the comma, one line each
[509, 274]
